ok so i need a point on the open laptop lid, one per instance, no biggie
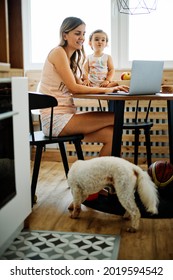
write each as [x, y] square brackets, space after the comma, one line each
[146, 77]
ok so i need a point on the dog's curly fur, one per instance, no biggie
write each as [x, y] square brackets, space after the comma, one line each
[91, 176]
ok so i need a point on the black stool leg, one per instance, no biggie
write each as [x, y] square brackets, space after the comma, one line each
[64, 157]
[148, 146]
[78, 148]
[100, 105]
[36, 171]
[136, 146]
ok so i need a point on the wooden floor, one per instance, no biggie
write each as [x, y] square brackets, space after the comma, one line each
[154, 240]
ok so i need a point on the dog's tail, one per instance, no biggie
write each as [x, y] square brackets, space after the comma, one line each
[147, 190]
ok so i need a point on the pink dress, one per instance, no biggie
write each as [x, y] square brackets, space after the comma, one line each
[52, 84]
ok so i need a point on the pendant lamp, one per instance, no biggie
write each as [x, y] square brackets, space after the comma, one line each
[136, 7]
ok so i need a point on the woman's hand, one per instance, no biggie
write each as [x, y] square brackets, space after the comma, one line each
[121, 88]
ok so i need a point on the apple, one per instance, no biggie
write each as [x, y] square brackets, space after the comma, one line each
[126, 76]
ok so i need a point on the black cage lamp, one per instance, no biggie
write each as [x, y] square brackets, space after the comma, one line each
[136, 7]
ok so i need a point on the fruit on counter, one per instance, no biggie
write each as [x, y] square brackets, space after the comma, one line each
[126, 76]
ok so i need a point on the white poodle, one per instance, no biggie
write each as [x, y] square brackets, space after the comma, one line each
[86, 177]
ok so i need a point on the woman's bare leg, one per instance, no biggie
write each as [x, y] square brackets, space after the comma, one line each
[104, 136]
[96, 127]
[88, 122]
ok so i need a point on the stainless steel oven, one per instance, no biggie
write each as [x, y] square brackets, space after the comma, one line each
[7, 168]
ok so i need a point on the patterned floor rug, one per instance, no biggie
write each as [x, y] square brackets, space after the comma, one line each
[52, 245]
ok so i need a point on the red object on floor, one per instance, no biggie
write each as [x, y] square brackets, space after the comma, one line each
[92, 196]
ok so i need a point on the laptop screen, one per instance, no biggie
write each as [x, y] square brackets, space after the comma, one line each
[146, 77]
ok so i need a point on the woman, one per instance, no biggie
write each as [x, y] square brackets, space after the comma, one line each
[61, 78]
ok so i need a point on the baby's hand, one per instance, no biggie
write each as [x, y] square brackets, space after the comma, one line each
[86, 83]
[104, 83]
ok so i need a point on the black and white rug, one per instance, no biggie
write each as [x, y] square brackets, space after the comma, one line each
[52, 245]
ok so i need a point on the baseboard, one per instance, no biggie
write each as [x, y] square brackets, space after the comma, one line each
[11, 238]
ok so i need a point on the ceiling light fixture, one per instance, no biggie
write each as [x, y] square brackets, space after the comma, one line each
[136, 7]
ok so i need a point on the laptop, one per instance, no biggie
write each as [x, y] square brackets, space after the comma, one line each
[146, 78]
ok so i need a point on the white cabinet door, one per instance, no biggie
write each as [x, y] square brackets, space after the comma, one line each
[13, 214]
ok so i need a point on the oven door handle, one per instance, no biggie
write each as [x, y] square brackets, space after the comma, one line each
[8, 115]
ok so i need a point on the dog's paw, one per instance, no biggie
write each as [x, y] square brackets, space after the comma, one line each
[126, 216]
[131, 230]
[71, 207]
[75, 213]
[73, 216]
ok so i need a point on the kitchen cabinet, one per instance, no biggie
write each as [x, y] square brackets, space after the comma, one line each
[11, 40]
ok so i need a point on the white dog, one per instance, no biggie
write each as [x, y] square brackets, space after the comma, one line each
[86, 177]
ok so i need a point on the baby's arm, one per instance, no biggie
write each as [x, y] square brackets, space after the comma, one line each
[86, 81]
[111, 69]
[110, 75]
